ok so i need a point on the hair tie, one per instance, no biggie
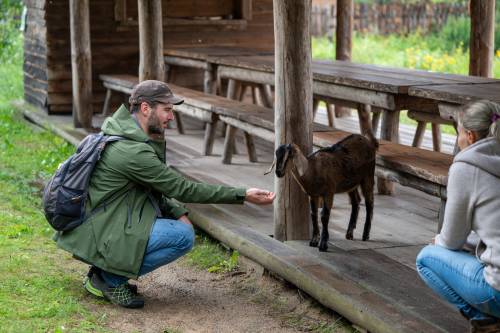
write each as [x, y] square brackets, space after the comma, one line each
[495, 117]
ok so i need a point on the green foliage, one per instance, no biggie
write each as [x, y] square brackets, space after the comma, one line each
[210, 255]
[10, 34]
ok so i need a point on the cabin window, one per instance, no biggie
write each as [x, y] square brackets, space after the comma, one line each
[190, 12]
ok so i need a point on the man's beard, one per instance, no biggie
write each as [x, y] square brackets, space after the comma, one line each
[154, 125]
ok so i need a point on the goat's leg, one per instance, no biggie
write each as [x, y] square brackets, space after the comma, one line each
[367, 186]
[325, 217]
[314, 218]
[355, 200]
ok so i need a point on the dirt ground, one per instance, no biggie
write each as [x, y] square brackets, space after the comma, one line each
[183, 298]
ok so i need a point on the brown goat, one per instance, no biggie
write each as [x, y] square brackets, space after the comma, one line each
[343, 167]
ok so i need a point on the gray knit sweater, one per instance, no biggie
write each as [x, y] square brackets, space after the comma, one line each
[474, 205]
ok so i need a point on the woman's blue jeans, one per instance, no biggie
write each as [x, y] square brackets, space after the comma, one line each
[457, 276]
[169, 240]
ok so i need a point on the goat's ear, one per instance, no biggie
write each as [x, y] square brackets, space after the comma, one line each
[289, 148]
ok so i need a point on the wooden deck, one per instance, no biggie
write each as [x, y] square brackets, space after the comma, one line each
[374, 284]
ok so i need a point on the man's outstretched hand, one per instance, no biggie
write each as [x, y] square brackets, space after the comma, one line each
[259, 197]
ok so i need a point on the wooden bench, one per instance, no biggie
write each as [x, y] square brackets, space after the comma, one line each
[124, 83]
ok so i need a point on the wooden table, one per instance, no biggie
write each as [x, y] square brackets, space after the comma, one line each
[354, 85]
[452, 97]
[198, 57]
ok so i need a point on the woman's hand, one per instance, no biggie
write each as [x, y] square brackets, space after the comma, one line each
[259, 197]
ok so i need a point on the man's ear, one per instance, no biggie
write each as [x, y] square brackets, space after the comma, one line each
[144, 109]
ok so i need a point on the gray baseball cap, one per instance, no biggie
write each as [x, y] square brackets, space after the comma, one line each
[153, 91]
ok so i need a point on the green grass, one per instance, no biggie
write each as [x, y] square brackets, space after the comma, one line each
[40, 288]
[210, 255]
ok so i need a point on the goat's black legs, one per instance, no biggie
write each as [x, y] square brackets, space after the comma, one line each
[355, 200]
[325, 217]
[314, 218]
[367, 188]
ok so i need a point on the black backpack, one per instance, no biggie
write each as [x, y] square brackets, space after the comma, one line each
[65, 195]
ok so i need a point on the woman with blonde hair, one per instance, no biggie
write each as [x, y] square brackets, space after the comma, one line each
[471, 281]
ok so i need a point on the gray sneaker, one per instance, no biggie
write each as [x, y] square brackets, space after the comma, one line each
[121, 295]
[90, 280]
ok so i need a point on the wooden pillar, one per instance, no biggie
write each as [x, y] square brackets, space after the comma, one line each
[482, 48]
[343, 46]
[293, 110]
[81, 63]
[151, 64]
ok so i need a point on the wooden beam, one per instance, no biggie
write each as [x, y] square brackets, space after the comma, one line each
[344, 29]
[293, 119]
[482, 41]
[151, 63]
[81, 63]
[343, 45]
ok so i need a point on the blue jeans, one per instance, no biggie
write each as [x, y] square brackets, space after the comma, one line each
[457, 276]
[169, 240]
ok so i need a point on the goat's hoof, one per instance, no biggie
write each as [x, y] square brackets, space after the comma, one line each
[365, 238]
[323, 247]
[313, 243]
[349, 236]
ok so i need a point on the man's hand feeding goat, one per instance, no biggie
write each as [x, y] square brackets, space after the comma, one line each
[343, 167]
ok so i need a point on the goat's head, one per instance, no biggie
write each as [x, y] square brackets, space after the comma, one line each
[283, 154]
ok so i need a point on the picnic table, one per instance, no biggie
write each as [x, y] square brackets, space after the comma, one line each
[198, 57]
[452, 97]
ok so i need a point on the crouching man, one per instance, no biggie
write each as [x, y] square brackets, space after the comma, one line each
[140, 228]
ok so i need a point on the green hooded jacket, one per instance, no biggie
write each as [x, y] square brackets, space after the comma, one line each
[115, 239]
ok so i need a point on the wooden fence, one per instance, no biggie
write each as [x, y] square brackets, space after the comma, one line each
[388, 18]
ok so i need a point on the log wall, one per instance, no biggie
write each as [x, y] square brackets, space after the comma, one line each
[115, 46]
[386, 18]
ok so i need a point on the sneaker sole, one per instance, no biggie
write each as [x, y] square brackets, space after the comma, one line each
[92, 290]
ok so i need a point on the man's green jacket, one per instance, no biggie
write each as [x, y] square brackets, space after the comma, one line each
[115, 238]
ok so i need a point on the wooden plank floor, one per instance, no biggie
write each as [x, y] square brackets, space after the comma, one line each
[372, 283]
[385, 264]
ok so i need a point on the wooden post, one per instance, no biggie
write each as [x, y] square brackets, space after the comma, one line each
[343, 46]
[293, 108]
[482, 13]
[81, 63]
[151, 64]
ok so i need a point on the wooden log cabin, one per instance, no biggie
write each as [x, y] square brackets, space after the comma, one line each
[114, 40]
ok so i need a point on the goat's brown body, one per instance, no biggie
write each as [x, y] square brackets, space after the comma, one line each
[343, 167]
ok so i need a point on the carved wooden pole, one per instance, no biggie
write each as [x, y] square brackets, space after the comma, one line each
[81, 63]
[151, 63]
[343, 46]
[293, 110]
[482, 13]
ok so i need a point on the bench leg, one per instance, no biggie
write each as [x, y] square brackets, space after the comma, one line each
[330, 111]
[209, 79]
[208, 141]
[375, 120]
[389, 132]
[266, 99]
[107, 101]
[178, 121]
[436, 137]
[365, 125]
[419, 134]
[229, 143]
[252, 154]
[315, 107]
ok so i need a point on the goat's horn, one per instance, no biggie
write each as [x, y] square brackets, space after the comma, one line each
[271, 168]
